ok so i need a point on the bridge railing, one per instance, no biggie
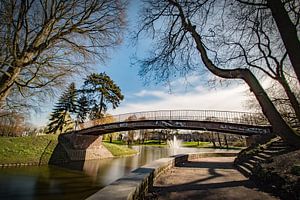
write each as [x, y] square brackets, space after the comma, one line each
[196, 115]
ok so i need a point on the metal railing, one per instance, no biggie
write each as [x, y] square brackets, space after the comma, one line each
[194, 115]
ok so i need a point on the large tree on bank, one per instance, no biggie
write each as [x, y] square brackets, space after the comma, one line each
[44, 41]
[250, 40]
[60, 120]
[91, 101]
[100, 90]
[179, 28]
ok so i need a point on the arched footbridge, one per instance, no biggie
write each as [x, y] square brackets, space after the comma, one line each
[242, 123]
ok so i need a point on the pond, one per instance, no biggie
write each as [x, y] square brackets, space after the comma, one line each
[76, 180]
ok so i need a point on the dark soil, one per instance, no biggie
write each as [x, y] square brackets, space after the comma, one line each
[279, 176]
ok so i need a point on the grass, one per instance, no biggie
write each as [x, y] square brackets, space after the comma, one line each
[155, 143]
[27, 149]
[117, 142]
[196, 144]
[36, 149]
[184, 144]
[207, 145]
[119, 150]
[146, 142]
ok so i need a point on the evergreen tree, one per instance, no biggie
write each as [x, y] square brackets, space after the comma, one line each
[82, 109]
[61, 120]
[100, 86]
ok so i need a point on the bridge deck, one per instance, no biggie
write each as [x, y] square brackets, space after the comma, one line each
[240, 129]
[243, 123]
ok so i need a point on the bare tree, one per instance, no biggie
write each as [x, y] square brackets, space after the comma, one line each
[281, 102]
[254, 44]
[44, 41]
[12, 124]
[179, 27]
[286, 15]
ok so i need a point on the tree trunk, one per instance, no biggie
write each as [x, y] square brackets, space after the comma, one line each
[219, 139]
[292, 98]
[287, 32]
[101, 103]
[159, 137]
[226, 142]
[6, 83]
[213, 139]
[280, 127]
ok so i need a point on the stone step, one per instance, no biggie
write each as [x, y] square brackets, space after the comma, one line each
[248, 165]
[246, 172]
[257, 158]
[272, 152]
[277, 144]
[252, 161]
[263, 155]
[278, 148]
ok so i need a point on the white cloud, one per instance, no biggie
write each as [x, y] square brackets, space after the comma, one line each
[199, 98]
[151, 93]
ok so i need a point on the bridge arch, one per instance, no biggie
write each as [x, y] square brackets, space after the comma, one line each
[242, 123]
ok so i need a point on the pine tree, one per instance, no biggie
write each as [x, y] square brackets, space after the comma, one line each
[61, 120]
[102, 87]
[82, 109]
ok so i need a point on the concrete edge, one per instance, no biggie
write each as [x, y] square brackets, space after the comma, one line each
[136, 184]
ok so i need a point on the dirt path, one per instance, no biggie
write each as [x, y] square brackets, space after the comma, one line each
[208, 179]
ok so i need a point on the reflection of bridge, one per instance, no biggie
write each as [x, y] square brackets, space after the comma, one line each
[242, 123]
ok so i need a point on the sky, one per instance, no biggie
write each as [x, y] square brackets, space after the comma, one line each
[183, 93]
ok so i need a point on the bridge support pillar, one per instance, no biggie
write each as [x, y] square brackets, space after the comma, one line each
[83, 147]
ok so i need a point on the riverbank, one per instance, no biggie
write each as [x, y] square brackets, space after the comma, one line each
[37, 150]
[32, 149]
[119, 150]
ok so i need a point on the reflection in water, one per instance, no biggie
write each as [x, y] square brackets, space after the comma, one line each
[76, 180]
[44, 183]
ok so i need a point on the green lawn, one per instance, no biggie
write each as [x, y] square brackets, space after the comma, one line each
[118, 142]
[184, 144]
[119, 150]
[146, 142]
[36, 149]
[26, 149]
[206, 145]
[196, 144]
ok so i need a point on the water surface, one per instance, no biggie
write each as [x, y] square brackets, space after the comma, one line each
[77, 180]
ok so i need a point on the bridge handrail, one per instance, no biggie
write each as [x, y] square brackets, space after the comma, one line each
[197, 115]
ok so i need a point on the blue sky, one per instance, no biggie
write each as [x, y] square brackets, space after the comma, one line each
[186, 93]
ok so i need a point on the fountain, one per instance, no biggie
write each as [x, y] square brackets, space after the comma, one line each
[174, 144]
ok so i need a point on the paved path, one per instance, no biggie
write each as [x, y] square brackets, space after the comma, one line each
[208, 179]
